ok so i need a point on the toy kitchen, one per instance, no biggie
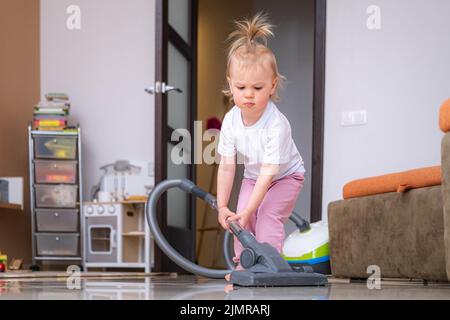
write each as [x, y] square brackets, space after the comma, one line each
[116, 232]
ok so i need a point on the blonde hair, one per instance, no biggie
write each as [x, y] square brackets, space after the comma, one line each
[249, 45]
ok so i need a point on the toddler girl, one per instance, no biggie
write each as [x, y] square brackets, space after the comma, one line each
[257, 133]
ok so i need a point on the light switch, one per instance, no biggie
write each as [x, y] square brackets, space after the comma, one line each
[354, 118]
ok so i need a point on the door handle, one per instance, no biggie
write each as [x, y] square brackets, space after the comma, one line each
[161, 87]
[113, 239]
[170, 88]
[150, 90]
[155, 89]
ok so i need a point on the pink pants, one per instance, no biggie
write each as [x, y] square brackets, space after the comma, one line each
[267, 223]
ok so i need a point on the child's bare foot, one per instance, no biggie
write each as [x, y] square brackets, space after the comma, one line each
[238, 268]
[228, 288]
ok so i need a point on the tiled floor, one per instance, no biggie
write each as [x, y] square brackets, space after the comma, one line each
[195, 288]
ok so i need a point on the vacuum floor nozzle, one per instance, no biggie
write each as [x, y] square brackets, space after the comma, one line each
[280, 279]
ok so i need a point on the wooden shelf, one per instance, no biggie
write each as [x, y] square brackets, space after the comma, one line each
[4, 205]
[134, 234]
[134, 201]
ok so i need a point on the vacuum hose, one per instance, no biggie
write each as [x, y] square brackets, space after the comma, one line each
[163, 244]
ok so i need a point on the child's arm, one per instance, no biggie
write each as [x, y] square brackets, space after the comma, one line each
[268, 171]
[225, 178]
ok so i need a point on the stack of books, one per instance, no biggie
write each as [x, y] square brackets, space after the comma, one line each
[52, 114]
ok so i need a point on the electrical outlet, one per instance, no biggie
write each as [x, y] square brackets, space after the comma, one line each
[354, 118]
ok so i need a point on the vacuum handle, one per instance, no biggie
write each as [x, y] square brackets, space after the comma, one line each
[190, 187]
[236, 228]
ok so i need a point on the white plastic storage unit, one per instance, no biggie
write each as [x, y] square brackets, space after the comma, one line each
[56, 194]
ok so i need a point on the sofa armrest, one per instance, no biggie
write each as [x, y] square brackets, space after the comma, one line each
[445, 159]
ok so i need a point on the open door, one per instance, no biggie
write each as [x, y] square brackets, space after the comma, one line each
[175, 108]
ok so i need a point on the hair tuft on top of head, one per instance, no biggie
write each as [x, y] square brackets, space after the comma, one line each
[250, 33]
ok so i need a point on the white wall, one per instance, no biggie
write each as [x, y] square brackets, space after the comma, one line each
[104, 67]
[293, 45]
[399, 74]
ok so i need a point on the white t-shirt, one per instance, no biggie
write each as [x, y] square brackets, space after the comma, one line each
[268, 141]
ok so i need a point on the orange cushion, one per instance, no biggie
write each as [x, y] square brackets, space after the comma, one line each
[444, 116]
[395, 182]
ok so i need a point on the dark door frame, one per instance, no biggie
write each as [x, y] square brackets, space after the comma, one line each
[161, 136]
[160, 118]
[164, 34]
[320, 13]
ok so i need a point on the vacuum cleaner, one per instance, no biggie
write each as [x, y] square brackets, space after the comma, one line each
[308, 246]
[263, 265]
